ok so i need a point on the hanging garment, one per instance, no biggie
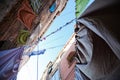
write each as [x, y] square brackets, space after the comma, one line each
[95, 61]
[9, 63]
[79, 75]
[52, 7]
[37, 52]
[26, 14]
[35, 4]
[98, 41]
[22, 36]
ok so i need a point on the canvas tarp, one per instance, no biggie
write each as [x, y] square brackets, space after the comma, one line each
[98, 40]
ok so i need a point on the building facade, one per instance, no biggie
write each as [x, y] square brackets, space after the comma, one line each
[23, 21]
[63, 67]
[97, 45]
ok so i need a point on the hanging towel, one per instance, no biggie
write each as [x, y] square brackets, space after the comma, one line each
[26, 14]
[9, 63]
[37, 52]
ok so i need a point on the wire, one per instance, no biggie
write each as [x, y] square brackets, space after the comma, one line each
[53, 40]
[35, 43]
[44, 38]
[55, 46]
[57, 29]
[66, 14]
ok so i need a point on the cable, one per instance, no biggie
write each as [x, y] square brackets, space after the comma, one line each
[44, 38]
[39, 39]
[53, 40]
[57, 29]
[55, 46]
[66, 14]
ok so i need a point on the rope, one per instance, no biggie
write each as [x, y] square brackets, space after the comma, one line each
[44, 38]
[53, 40]
[66, 14]
[57, 30]
[55, 46]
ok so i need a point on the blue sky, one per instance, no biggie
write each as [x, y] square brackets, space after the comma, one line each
[29, 71]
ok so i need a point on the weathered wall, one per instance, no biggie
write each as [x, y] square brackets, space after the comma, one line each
[66, 69]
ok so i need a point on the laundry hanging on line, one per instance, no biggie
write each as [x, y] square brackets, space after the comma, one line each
[9, 69]
[9, 63]
[37, 52]
[26, 14]
[60, 28]
[36, 4]
[52, 7]
[22, 36]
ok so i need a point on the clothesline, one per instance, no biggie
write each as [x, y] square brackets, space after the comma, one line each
[42, 51]
[44, 38]
[58, 29]
[61, 27]
[55, 46]
[53, 40]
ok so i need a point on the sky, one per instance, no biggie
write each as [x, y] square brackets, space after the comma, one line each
[29, 70]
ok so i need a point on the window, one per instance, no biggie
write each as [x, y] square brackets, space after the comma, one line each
[56, 75]
[70, 57]
[49, 70]
[36, 4]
